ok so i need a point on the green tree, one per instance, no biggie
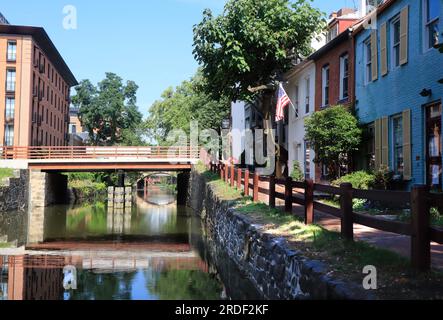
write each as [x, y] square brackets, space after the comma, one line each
[108, 109]
[250, 45]
[334, 134]
[178, 107]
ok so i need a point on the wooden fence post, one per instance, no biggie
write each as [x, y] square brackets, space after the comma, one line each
[232, 176]
[347, 221]
[288, 195]
[239, 174]
[247, 183]
[309, 201]
[272, 191]
[256, 183]
[226, 173]
[420, 238]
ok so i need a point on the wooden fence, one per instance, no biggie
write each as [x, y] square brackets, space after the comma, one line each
[420, 200]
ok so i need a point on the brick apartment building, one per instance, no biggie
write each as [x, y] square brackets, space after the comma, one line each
[34, 102]
[334, 67]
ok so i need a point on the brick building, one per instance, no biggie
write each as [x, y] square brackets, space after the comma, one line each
[334, 67]
[34, 102]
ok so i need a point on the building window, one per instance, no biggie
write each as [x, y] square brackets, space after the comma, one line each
[297, 102]
[395, 42]
[368, 61]
[332, 33]
[308, 93]
[432, 13]
[9, 135]
[344, 77]
[12, 50]
[325, 84]
[10, 108]
[10, 80]
[397, 139]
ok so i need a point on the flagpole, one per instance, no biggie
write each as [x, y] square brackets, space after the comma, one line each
[292, 105]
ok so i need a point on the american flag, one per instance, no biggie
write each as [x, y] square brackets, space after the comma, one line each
[282, 103]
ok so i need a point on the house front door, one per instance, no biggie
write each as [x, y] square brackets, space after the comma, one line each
[434, 146]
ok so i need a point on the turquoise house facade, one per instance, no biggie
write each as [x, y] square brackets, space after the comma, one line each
[399, 90]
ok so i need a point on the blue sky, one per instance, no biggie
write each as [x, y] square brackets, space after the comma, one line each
[147, 41]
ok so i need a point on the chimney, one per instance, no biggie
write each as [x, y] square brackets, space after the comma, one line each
[333, 15]
[345, 11]
[363, 8]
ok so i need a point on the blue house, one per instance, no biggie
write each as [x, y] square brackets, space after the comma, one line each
[399, 90]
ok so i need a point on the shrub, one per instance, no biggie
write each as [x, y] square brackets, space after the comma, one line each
[359, 180]
[297, 174]
[383, 179]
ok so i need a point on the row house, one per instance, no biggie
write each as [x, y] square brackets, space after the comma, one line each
[35, 97]
[324, 79]
[398, 86]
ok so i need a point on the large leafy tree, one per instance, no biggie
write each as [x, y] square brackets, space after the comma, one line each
[187, 102]
[249, 46]
[334, 134]
[108, 110]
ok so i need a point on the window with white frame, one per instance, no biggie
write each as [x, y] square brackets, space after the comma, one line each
[325, 86]
[397, 144]
[368, 61]
[10, 80]
[297, 103]
[395, 41]
[10, 108]
[12, 50]
[332, 33]
[344, 77]
[9, 135]
[308, 93]
[431, 19]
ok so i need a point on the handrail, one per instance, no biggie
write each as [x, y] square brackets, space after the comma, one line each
[92, 152]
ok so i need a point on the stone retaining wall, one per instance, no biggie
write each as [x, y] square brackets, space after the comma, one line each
[276, 271]
[14, 192]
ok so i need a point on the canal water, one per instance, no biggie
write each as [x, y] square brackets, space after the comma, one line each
[153, 250]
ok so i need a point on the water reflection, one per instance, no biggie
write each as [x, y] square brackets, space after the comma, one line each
[151, 251]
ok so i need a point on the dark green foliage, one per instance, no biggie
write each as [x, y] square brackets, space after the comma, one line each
[108, 109]
[333, 133]
[297, 173]
[253, 43]
[359, 180]
[182, 105]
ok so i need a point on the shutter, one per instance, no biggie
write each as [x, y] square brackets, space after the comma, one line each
[407, 150]
[404, 27]
[383, 50]
[374, 55]
[377, 127]
[385, 141]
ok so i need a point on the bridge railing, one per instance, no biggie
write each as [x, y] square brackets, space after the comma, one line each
[98, 153]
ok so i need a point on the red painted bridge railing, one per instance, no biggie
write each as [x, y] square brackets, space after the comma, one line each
[86, 152]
